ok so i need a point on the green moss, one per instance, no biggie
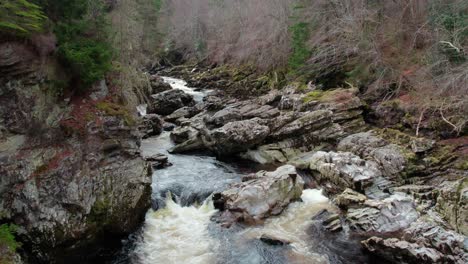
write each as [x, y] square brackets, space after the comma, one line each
[21, 18]
[395, 136]
[99, 215]
[301, 87]
[40, 169]
[313, 96]
[463, 165]
[8, 243]
[113, 109]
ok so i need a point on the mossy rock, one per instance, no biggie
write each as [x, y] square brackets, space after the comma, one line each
[335, 95]
[8, 244]
[113, 109]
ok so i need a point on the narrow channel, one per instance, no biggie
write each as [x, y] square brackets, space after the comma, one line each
[180, 227]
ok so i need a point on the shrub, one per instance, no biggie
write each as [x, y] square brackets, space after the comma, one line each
[20, 17]
[8, 244]
[81, 31]
[89, 59]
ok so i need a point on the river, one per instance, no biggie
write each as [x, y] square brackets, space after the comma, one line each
[180, 227]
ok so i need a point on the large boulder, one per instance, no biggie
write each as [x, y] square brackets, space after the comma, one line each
[368, 145]
[400, 251]
[343, 170]
[182, 134]
[427, 232]
[424, 241]
[452, 204]
[151, 125]
[238, 136]
[308, 122]
[268, 193]
[167, 102]
[158, 85]
[392, 214]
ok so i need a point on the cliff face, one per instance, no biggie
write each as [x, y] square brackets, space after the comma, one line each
[70, 168]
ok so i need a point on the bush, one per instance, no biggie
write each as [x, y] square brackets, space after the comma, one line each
[89, 59]
[20, 17]
[81, 33]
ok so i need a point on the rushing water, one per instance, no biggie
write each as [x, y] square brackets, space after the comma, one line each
[179, 228]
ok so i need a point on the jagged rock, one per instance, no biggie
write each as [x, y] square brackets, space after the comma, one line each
[368, 145]
[306, 123]
[224, 116]
[158, 85]
[420, 145]
[268, 194]
[167, 102]
[426, 232]
[151, 125]
[168, 126]
[237, 136]
[398, 251]
[452, 204]
[350, 198]
[343, 169]
[192, 144]
[184, 112]
[252, 110]
[332, 223]
[240, 111]
[182, 134]
[280, 152]
[110, 144]
[158, 161]
[388, 215]
[361, 144]
[390, 158]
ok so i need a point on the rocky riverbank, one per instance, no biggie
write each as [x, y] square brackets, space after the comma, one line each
[405, 195]
[72, 178]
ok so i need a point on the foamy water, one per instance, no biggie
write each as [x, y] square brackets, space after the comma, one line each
[177, 235]
[292, 224]
[182, 85]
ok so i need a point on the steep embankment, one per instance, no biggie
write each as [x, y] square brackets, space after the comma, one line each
[71, 169]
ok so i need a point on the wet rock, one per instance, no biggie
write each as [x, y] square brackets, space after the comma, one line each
[151, 125]
[158, 85]
[350, 198]
[158, 161]
[332, 223]
[192, 144]
[452, 204]
[343, 170]
[425, 231]
[382, 216]
[398, 251]
[237, 136]
[273, 241]
[268, 194]
[168, 126]
[184, 112]
[182, 134]
[168, 102]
